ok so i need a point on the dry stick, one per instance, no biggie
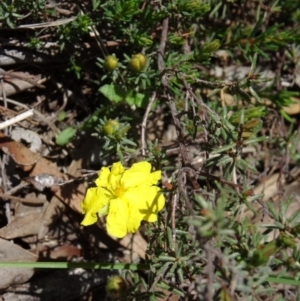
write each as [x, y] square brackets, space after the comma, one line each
[145, 119]
[222, 262]
[210, 274]
[21, 77]
[198, 100]
[37, 114]
[193, 96]
[181, 185]
[16, 188]
[202, 104]
[161, 68]
[16, 119]
[4, 159]
[175, 197]
[219, 179]
[48, 24]
[97, 35]
[183, 150]
[176, 121]
[34, 201]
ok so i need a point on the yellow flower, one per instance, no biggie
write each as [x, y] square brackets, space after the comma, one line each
[126, 196]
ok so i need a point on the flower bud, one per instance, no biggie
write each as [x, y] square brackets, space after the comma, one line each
[263, 253]
[142, 58]
[110, 127]
[138, 62]
[116, 287]
[212, 46]
[110, 63]
[286, 241]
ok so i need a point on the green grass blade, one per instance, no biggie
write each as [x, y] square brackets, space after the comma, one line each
[73, 265]
[283, 280]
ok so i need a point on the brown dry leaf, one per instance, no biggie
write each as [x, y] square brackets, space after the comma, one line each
[14, 84]
[22, 226]
[26, 221]
[12, 252]
[65, 252]
[52, 213]
[30, 161]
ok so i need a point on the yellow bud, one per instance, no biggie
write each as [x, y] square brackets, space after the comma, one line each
[142, 58]
[137, 62]
[116, 287]
[111, 127]
[110, 63]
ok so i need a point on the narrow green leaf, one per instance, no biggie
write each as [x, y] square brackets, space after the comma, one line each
[283, 207]
[283, 280]
[242, 164]
[272, 210]
[170, 289]
[254, 94]
[223, 148]
[255, 197]
[224, 160]
[294, 219]
[255, 140]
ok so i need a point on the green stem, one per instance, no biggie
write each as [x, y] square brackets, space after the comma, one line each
[72, 265]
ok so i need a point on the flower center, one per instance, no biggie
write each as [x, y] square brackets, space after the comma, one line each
[119, 190]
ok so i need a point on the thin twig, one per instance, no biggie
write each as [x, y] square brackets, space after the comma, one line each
[35, 201]
[146, 115]
[13, 190]
[162, 47]
[210, 274]
[4, 158]
[175, 197]
[37, 114]
[183, 150]
[16, 119]
[48, 24]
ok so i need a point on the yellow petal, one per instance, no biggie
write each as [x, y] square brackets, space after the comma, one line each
[89, 219]
[134, 222]
[146, 200]
[140, 173]
[158, 203]
[89, 200]
[117, 169]
[96, 198]
[154, 177]
[116, 222]
[103, 176]
[141, 166]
